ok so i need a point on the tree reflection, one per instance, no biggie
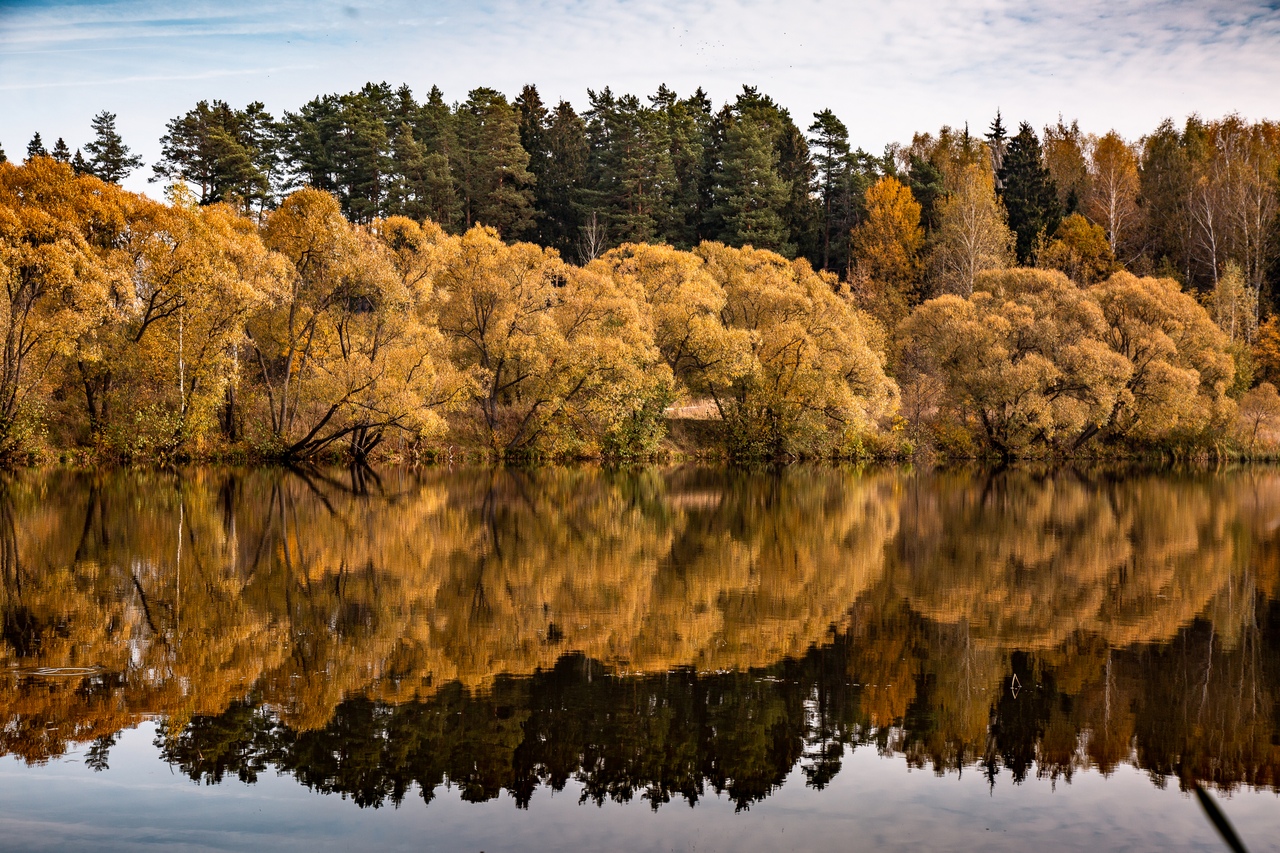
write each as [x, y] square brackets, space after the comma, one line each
[655, 634]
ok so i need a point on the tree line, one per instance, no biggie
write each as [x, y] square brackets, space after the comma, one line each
[679, 222]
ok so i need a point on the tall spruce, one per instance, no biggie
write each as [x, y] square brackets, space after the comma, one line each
[1028, 193]
[630, 176]
[997, 139]
[491, 167]
[109, 157]
[686, 127]
[560, 185]
[61, 152]
[750, 195]
[35, 148]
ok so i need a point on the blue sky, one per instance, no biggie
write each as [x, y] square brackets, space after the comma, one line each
[886, 68]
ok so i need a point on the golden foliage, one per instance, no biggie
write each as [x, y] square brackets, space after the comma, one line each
[886, 249]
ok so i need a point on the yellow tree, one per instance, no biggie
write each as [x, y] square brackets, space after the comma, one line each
[1064, 156]
[1112, 197]
[1078, 248]
[683, 301]
[885, 252]
[1024, 360]
[1181, 366]
[1259, 413]
[168, 358]
[60, 271]
[544, 345]
[814, 380]
[345, 351]
[973, 234]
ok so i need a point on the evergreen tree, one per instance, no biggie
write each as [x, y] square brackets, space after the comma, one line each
[1028, 193]
[210, 147]
[4, 158]
[491, 168]
[407, 192]
[563, 177]
[928, 186]
[1165, 179]
[833, 166]
[78, 164]
[630, 176]
[686, 126]
[434, 128]
[996, 141]
[109, 157]
[61, 152]
[35, 148]
[750, 196]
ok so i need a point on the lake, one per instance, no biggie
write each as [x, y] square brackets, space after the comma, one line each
[656, 658]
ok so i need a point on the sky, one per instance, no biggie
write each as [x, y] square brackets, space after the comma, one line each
[887, 68]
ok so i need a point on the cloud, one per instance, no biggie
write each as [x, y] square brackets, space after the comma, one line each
[887, 67]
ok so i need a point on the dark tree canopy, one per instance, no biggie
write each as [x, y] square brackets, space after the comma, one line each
[1028, 192]
[109, 158]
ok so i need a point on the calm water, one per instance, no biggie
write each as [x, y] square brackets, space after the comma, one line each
[656, 659]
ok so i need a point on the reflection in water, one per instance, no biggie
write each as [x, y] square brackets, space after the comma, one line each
[653, 634]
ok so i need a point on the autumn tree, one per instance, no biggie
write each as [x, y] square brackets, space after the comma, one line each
[684, 302]
[1064, 157]
[560, 360]
[1235, 306]
[814, 379]
[343, 350]
[1181, 367]
[1023, 360]
[1112, 197]
[1078, 248]
[155, 377]
[972, 235]
[59, 269]
[1259, 413]
[886, 252]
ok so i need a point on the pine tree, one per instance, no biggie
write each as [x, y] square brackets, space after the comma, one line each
[78, 164]
[749, 194]
[996, 137]
[491, 168]
[4, 158]
[687, 126]
[35, 148]
[928, 186]
[630, 178]
[831, 141]
[1028, 193]
[61, 152]
[109, 157]
[211, 147]
[564, 173]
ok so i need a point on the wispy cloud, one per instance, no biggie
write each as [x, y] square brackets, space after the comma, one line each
[887, 67]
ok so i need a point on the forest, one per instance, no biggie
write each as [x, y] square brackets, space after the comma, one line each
[374, 276]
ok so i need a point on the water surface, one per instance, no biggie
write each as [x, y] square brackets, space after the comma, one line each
[650, 659]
